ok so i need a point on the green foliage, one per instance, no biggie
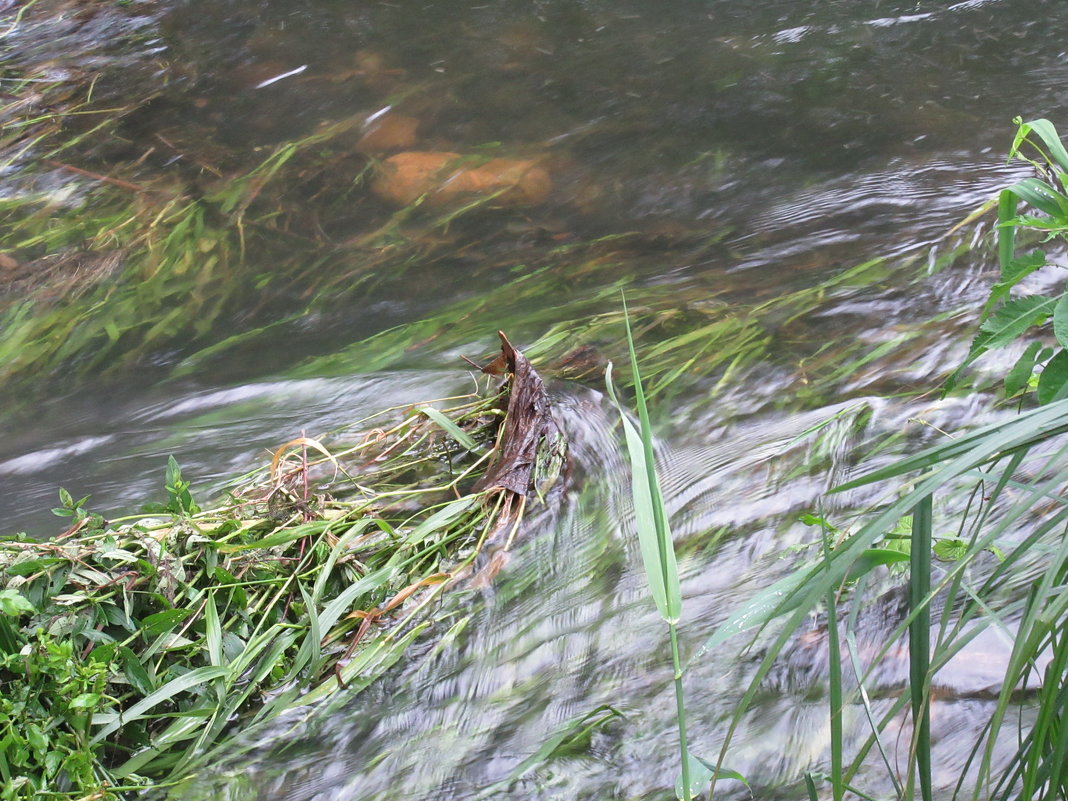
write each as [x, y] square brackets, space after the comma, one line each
[179, 499]
[1042, 369]
[128, 653]
[74, 509]
[1015, 512]
[46, 713]
[654, 538]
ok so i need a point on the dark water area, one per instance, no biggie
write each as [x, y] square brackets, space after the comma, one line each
[737, 151]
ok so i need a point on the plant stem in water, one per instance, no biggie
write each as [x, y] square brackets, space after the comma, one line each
[680, 707]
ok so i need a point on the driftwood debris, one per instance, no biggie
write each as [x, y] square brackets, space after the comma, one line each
[529, 432]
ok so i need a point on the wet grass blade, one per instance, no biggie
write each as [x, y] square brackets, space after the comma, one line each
[164, 693]
[575, 729]
[654, 536]
[834, 694]
[449, 427]
[920, 641]
[659, 572]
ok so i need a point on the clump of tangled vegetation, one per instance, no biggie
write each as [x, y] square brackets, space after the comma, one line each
[130, 649]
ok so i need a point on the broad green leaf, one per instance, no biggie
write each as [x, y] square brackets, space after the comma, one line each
[227, 580]
[1016, 379]
[1060, 321]
[1014, 270]
[1048, 134]
[1041, 196]
[873, 558]
[85, 701]
[950, 549]
[1004, 327]
[31, 566]
[1054, 378]
[161, 622]
[52, 762]
[36, 738]
[1020, 267]
[135, 672]
[14, 604]
[1015, 317]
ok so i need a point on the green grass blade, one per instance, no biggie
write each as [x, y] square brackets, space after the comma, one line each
[920, 640]
[665, 547]
[575, 728]
[978, 447]
[810, 787]
[654, 536]
[337, 551]
[213, 630]
[666, 594]
[450, 428]
[760, 610]
[834, 693]
[442, 519]
[112, 722]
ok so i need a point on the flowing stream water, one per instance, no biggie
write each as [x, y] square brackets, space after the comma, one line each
[748, 149]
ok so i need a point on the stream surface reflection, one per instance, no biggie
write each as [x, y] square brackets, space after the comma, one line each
[750, 149]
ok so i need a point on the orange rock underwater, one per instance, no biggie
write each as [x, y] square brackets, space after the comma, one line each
[442, 178]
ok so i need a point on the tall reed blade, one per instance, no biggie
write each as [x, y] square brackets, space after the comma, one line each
[834, 695]
[920, 640]
[654, 536]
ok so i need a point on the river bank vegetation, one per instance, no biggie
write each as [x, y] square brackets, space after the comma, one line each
[1002, 567]
[131, 650]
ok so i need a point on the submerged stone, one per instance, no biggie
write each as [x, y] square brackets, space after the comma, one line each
[442, 178]
[388, 132]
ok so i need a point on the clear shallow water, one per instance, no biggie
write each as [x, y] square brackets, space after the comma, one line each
[805, 138]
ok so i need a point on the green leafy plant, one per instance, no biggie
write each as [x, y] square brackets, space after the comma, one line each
[654, 538]
[179, 499]
[1008, 317]
[131, 651]
[46, 711]
[1003, 487]
[74, 509]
